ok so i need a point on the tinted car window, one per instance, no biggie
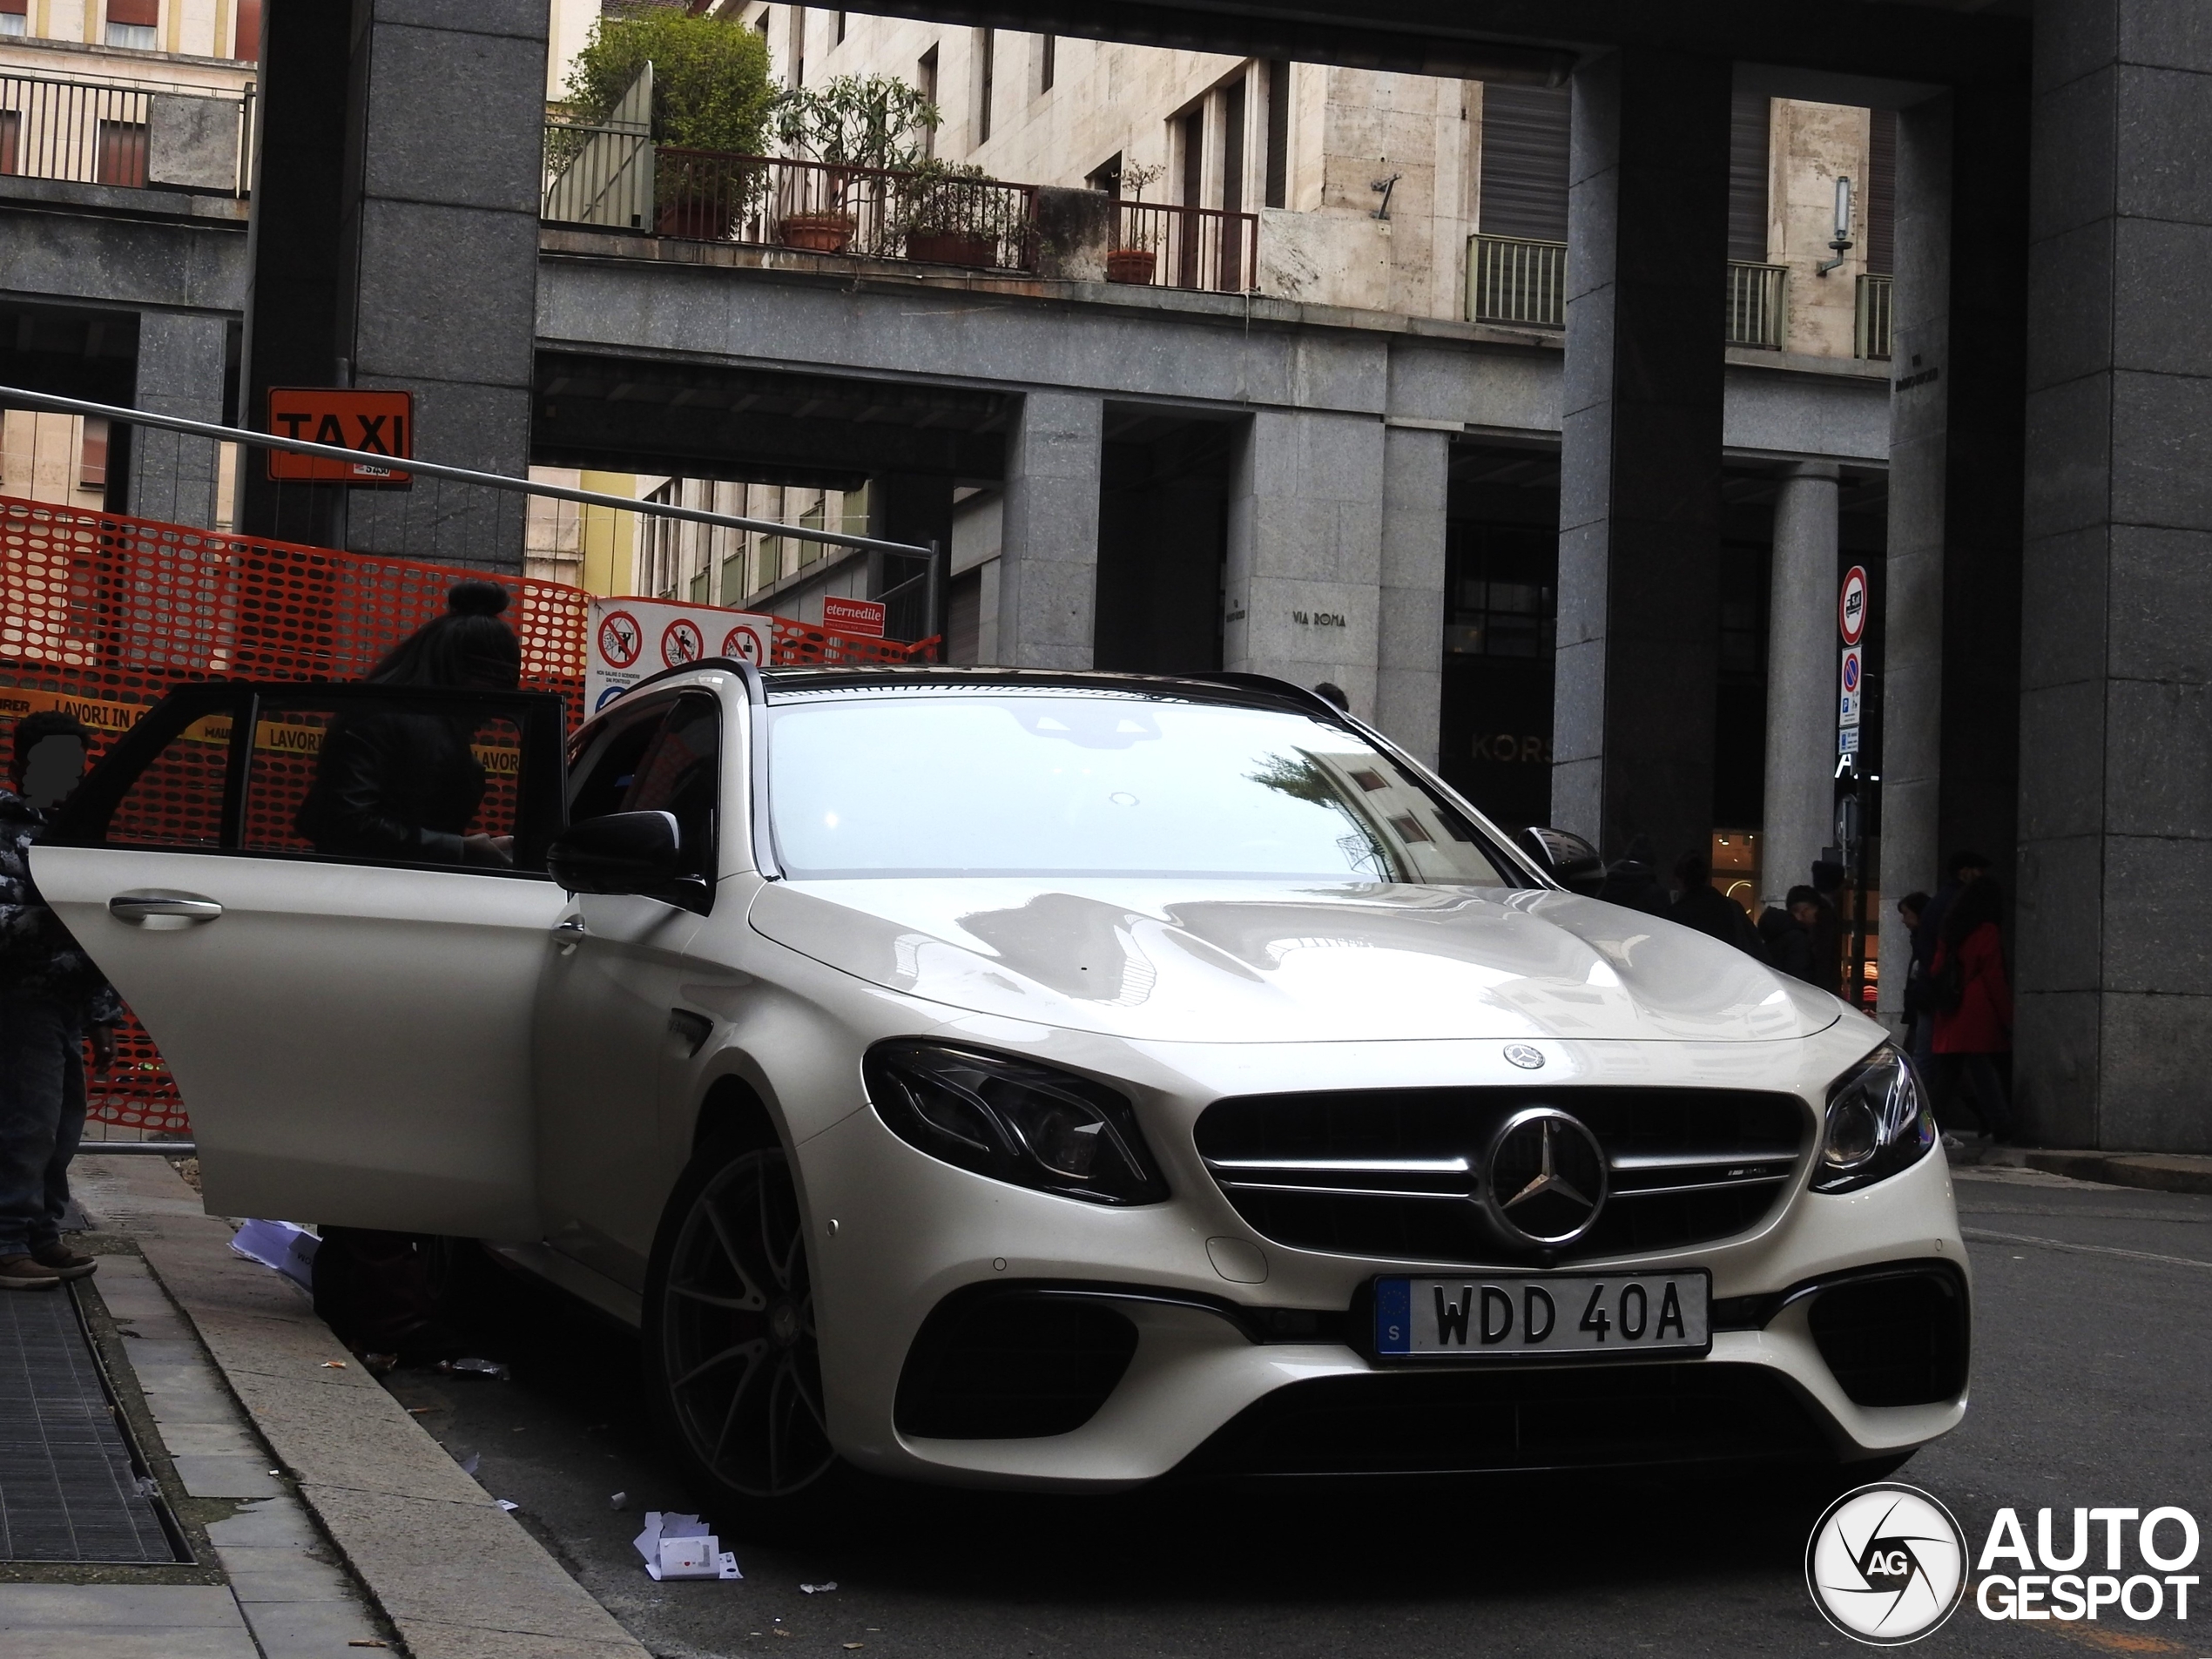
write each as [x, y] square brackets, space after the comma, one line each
[1061, 783]
[664, 758]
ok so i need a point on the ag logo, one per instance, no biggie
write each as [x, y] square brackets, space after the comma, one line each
[1887, 1565]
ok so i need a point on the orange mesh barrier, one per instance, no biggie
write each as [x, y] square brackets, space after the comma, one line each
[102, 613]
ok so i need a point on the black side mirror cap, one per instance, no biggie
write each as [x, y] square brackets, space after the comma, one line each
[636, 853]
[1566, 858]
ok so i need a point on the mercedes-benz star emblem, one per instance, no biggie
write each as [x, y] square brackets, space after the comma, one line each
[1543, 1180]
[1521, 1055]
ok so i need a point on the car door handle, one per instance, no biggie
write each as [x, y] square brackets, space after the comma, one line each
[138, 909]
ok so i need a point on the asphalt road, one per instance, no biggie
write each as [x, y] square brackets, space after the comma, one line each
[2093, 1385]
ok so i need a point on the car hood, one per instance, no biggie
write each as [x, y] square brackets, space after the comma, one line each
[1214, 961]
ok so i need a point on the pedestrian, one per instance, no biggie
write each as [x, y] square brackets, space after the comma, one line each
[1699, 905]
[1963, 866]
[1632, 880]
[1973, 1007]
[1919, 1020]
[51, 997]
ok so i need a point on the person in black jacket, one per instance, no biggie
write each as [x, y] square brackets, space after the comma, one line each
[1699, 906]
[405, 786]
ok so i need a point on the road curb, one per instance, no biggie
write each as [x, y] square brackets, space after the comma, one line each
[2152, 1171]
[455, 1574]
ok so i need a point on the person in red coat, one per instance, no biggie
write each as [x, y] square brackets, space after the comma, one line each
[1974, 1005]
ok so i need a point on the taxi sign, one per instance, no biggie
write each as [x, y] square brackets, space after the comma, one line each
[381, 423]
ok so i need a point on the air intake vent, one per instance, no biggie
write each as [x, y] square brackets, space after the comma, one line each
[1394, 1173]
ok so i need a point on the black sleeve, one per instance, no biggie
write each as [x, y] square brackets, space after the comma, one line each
[358, 803]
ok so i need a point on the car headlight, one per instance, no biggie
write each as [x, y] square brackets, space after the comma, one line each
[1013, 1120]
[1878, 1122]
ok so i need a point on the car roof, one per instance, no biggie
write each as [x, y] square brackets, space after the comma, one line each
[1235, 690]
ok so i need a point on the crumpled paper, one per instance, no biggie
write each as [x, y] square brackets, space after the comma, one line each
[680, 1547]
[283, 1245]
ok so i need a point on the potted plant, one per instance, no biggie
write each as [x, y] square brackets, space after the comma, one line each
[858, 126]
[1135, 256]
[711, 93]
[950, 216]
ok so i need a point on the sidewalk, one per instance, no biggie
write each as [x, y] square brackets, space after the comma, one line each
[2152, 1171]
[337, 1523]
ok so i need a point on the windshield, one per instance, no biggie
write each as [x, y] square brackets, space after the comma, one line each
[1013, 782]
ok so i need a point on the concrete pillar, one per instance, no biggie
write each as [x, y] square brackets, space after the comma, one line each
[1409, 669]
[1048, 552]
[1640, 461]
[180, 373]
[1800, 684]
[1304, 568]
[2114, 969]
[1912, 595]
[403, 151]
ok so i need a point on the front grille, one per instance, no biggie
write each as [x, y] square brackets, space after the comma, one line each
[989, 1365]
[1392, 1173]
[1470, 1421]
[1896, 1339]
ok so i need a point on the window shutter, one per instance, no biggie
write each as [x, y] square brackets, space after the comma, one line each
[142, 14]
[1881, 194]
[1747, 177]
[1524, 162]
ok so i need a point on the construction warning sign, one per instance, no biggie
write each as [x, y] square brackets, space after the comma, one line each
[379, 423]
[632, 638]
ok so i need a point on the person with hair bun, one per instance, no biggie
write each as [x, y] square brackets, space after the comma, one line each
[405, 784]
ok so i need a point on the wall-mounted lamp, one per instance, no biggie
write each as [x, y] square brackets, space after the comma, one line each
[1840, 243]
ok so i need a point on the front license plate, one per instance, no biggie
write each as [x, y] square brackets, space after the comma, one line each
[1578, 1315]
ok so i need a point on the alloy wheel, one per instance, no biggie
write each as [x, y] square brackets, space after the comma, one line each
[738, 1353]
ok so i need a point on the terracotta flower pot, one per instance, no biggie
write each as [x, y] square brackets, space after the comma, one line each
[977, 249]
[1131, 265]
[817, 233]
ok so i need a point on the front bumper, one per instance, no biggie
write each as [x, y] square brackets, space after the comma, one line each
[1208, 1351]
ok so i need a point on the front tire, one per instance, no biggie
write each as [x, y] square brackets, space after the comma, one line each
[733, 1364]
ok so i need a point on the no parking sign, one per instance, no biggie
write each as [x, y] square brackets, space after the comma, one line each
[632, 638]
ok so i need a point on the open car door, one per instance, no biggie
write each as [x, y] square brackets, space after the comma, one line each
[344, 997]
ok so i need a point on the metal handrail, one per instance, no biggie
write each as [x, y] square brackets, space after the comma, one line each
[1874, 322]
[1192, 247]
[20, 397]
[1516, 279]
[1755, 293]
[74, 130]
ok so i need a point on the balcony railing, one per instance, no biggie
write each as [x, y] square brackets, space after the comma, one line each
[1872, 334]
[1189, 247]
[194, 138]
[1756, 296]
[1512, 280]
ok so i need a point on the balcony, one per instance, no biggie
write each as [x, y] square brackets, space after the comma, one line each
[1871, 333]
[1514, 280]
[1522, 283]
[136, 137]
[614, 177]
[1755, 297]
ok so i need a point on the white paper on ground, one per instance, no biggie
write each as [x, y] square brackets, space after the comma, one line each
[678, 1546]
[283, 1245]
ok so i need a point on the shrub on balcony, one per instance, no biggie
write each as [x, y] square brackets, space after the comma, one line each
[953, 214]
[710, 86]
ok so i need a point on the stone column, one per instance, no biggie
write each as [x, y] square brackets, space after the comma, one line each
[2114, 1040]
[1640, 462]
[1409, 671]
[1913, 579]
[1048, 562]
[1304, 569]
[1801, 684]
[180, 373]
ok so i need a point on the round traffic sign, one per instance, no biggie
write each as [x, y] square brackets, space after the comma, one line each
[680, 642]
[1850, 605]
[744, 641]
[620, 638]
[1851, 671]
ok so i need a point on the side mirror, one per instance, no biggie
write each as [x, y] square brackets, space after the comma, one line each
[640, 852]
[1566, 858]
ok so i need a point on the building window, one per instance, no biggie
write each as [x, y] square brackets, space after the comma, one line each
[1107, 176]
[840, 28]
[1524, 162]
[798, 47]
[1232, 179]
[11, 132]
[131, 24]
[1500, 601]
[1048, 60]
[986, 72]
[13, 24]
[121, 159]
[926, 79]
[1278, 133]
[92, 454]
[1749, 117]
[247, 49]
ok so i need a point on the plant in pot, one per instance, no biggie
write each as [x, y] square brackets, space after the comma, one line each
[710, 94]
[1135, 254]
[950, 215]
[861, 128]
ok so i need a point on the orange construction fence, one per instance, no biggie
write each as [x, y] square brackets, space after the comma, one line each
[102, 613]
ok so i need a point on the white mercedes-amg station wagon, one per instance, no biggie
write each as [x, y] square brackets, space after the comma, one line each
[1059, 1081]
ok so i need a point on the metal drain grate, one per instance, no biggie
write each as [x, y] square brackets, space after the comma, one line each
[68, 1491]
